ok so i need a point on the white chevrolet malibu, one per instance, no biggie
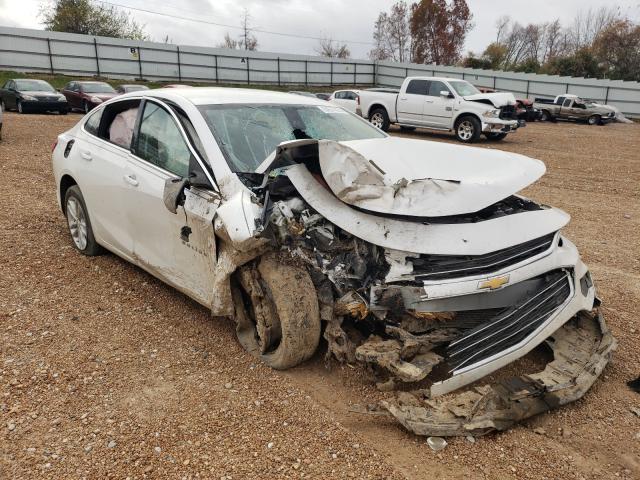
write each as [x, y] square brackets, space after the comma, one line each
[297, 218]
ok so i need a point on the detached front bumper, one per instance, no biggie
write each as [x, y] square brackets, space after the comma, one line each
[499, 125]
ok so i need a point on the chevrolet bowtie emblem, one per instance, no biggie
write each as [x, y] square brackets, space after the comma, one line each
[493, 283]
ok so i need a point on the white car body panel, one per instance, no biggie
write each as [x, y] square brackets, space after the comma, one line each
[420, 178]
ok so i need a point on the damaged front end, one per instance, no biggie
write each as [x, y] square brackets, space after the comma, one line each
[428, 292]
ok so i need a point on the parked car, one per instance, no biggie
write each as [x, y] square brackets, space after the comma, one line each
[131, 88]
[572, 107]
[439, 103]
[526, 111]
[30, 95]
[304, 94]
[85, 95]
[323, 96]
[347, 99]
[286, 212]
[177, 85]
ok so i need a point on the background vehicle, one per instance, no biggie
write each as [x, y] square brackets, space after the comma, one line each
[303, 94]
[323, 95]
[438, 103]
[526, 111]
[131, 88]
[572, 107]
[26, 95]
[347, 99]
[86, 95]
[177, 85]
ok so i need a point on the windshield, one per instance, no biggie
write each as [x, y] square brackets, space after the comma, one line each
[33, 86]
[464, 88]
[134, 88]
[247, 134]
[97, 88]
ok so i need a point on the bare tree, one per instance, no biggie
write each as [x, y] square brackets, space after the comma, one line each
[329, 48]
[248, 40]
[392, 34]
[588, 24]
[229, 42]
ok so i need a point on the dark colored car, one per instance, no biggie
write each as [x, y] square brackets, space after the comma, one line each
[27, 95]
[323, 96]
[526, 111]
[131, 88]
[86, 95]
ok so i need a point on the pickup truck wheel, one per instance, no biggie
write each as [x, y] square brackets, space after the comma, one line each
[468, 129]
[379, 118]
[277, 313]
[545, 116]
[495, 137]
[593, 120]
[79, 224]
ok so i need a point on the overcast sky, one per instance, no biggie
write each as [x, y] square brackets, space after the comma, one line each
[351, 21]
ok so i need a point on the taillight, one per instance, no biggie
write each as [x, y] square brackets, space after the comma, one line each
[54, 145]
[357, 99]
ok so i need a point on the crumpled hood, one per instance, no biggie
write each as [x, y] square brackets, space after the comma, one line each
[498, 99]
[422, 178]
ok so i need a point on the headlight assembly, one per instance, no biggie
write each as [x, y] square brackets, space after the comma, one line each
[28, 98]
[491, 113]
[96, 100]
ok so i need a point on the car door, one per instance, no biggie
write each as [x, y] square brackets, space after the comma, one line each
[565, 109]
[411, 102]
[74, 94]
[438, 109]
[177, 247]
[99, 167]
[9, 94]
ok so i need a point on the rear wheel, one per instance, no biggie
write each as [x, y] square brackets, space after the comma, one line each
[379, 118]
[545, 116]
[277, 313]
[79, 224]
[495, 137]
[593, 120]
[467, 129]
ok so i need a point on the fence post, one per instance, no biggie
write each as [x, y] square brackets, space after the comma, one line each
[179, 67]
[527, 95]
[248, 74]
[406, 72]
[606, 95]
[278, 71]
[375, 73]
[331, 78]
[566, 90]
[215, 57]
[140, 62]
[95, 46]
[50, 56]
[494, 82]
[306, 72]
[355, 74]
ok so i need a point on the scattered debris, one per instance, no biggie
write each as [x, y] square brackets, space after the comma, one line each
[436, 443]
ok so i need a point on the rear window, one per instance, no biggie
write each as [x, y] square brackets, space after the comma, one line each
[418, 87]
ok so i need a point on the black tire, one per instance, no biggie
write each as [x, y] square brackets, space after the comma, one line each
[90, 247]
[467, 129]
[379, 118]
[495, 137]
[277, 312]
[85, 107]
[63, 112]
[19, 107]
[407, 129]
[594, 120]
[545, 116]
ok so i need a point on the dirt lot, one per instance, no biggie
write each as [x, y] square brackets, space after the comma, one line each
[106, 372]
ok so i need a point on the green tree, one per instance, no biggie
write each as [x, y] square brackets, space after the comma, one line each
[581, 64]
[90, 18]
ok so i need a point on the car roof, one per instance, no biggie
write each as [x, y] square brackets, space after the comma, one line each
[224, 95]
[88, 81]
[448, 79]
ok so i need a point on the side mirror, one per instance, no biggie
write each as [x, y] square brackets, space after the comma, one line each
[446, 94]
[173, 193]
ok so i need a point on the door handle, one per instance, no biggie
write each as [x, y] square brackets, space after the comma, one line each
[403, 98]
[86, 155]
[131, 180]
[428, 101]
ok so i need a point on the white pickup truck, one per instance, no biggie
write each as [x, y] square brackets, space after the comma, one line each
[441, 103]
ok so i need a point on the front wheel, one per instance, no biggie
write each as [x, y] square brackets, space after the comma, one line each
[19, 107]
[85, 107]
[593, 120]
[380, 119]
[496, 137]
[468, 129]
[545, 116]
[79, 224]
[277, 312]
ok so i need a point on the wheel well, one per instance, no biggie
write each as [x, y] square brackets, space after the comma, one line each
[374, 106]
[66, 182]
[466, 114]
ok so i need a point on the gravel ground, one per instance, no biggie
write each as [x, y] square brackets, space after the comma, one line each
[105, 372]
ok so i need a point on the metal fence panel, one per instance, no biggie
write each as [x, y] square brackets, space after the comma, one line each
[29, 50]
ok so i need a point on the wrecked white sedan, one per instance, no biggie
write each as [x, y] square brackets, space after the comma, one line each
[298, 219]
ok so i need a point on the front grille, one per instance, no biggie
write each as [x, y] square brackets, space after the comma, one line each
[47, 99]
[513, 324]
[439, 267]
[508, 112]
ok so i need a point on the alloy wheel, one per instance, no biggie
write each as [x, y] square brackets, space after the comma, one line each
[377, 120]
[465, 130]
[77, 220]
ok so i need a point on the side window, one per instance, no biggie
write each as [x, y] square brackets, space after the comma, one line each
[567, 102]
[160, 141]
[435, 87]
[339, 95]
[93, 122]
[350, 95]
[418, 87]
